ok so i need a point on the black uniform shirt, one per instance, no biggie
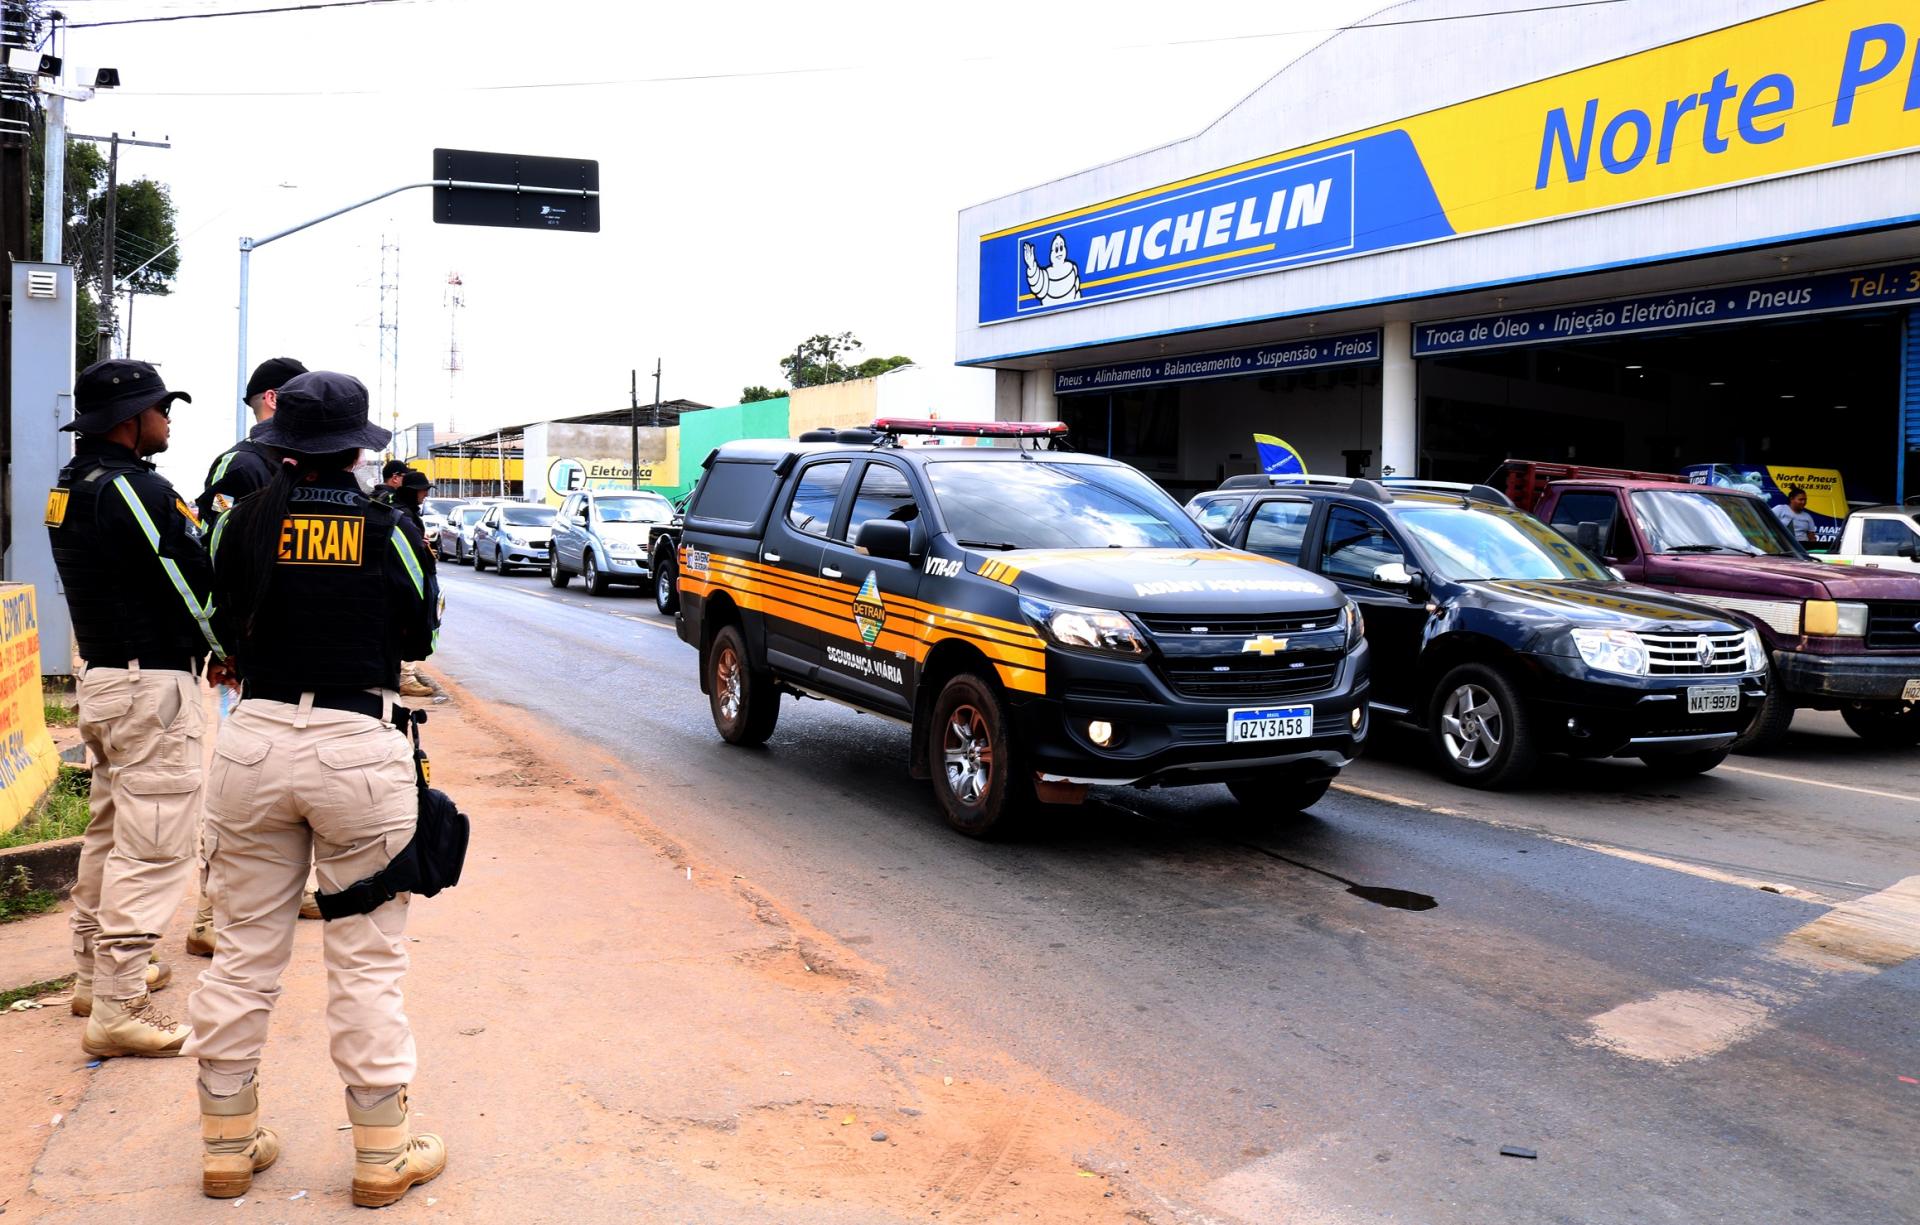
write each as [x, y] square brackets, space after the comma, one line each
[241, 469]
[128, 548]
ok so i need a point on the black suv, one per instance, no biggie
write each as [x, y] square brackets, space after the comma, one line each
[1499, 636]
[1043, 621]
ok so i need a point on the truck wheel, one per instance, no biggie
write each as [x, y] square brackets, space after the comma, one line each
[1893, 725]
[978, 778]
[1482, 733]
[1769, 728]
[555, 575]
[745, 703]
[1280, 797]
[666, 583]
[590, 576]
[1685, 765]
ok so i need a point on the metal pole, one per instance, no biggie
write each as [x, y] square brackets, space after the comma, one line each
[656, 391]
[53, 203]
[240, 378]
[633, 422]
[103, 323]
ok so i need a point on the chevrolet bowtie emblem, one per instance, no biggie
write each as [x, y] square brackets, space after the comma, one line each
[1266, 644]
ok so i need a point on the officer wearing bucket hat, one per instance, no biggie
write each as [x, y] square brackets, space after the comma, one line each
[322, 593]
[137, 582]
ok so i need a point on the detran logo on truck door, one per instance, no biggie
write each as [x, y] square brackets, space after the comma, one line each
[1818, 85]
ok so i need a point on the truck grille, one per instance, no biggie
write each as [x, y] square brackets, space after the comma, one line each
[1683, 654]
[1242, 625]
[1233, 678]
[1893, 626]
[1780, 616]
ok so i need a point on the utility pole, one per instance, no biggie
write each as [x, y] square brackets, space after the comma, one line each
[656, 391]
[109, 236]
[633, 427]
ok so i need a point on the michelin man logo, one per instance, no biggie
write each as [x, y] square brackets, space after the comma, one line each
[1059, 281]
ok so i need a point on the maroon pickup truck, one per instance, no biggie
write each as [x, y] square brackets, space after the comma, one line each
[1841, 638]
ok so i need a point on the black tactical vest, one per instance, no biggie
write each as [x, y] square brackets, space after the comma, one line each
[111, 619]
[326, 619]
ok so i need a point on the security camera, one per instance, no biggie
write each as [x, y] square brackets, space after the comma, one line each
[107, 78]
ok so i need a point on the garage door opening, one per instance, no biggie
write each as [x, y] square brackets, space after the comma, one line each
[1809, 393]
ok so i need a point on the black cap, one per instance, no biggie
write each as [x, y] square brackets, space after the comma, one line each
[392, 468]
[415, 479]
[321, 412]
[272, 375]
[109, 392]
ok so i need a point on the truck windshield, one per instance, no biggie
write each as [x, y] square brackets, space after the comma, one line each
[1472, 545]
[1685, 521]
[1034, 504]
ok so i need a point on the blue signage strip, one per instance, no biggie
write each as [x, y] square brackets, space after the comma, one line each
[1362, 195]
[1348, 350]
[1862, 289]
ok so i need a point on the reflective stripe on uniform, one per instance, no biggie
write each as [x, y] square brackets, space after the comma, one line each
[213, 546]
[411, 562]
[220, 469]
[201, 614]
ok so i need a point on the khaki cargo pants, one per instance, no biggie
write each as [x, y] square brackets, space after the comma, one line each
[289, 784]
[143, 728]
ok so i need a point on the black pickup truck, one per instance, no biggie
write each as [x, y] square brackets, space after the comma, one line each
[1043, 621]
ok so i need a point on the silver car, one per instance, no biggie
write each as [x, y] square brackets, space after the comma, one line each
[603, 536]
[456, 535]
[510, 536]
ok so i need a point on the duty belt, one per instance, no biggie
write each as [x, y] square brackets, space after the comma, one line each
[357, 701]
[153, 663]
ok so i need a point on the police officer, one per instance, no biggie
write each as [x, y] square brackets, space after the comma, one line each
[391, 474]
[137, 582]
[407, 498]
[245, 466]
[238, 471]
[323, 593]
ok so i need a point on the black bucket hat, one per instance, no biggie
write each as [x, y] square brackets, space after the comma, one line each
[107, 393]
[413, 478]
[319, 413]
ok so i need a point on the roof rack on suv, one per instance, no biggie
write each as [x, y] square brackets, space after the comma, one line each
[1473, 493]
[1358, 486]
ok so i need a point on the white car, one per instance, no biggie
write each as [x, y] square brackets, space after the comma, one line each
[1882, 537]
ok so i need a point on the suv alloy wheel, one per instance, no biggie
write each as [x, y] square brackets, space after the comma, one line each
[1480, 729]
[555, 575]
[745, 703]
[978, 777]
[666, 583]
[590, 576]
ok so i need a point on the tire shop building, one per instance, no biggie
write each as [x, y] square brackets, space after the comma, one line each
[1638, 235]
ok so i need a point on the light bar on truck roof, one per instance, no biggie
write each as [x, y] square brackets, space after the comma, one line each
[971, 429]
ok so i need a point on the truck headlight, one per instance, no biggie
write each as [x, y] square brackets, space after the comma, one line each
[1756, 652]
[1612, 651]
[1086, 629]
[1356, 625]
[1828, 619]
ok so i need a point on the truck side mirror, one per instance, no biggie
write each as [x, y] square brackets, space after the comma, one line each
[885, 538]
[1905, 549]
[1586, 535]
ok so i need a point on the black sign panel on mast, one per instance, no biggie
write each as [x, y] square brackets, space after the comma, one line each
[516, 191]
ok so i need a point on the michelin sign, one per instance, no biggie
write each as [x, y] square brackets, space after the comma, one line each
[1817, 85]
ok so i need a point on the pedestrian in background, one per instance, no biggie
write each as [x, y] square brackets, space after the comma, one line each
[408, 497]
[138, 585]
[1796, 518]
[323, 593]
[238, 471]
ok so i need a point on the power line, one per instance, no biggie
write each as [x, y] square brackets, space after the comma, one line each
[752, 74]
[288, 8]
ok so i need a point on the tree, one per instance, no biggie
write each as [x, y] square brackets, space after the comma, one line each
[825, 359]
[144, 231]
[757, 393]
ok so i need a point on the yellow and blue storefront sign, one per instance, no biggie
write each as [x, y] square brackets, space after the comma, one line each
[1818, 85]
[1353, 349]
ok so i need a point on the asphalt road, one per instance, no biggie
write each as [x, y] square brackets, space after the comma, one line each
[1603, 979]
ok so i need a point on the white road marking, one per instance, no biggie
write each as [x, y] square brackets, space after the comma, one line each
[1814, 782]
[1387, 797]
[1863, 936]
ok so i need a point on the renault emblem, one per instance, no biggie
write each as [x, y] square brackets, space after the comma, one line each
[1705, 653]
[1266, 644]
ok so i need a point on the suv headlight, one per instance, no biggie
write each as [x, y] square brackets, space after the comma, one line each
[1826, 618]
[1085, 629]
[1756, 652]
[1612, 651]
[622, 550]
[1356, 625]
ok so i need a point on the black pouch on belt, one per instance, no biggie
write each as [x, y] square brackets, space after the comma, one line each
[426, 865]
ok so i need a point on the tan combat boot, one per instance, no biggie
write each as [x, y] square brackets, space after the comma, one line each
[200, 935]
[159, 974]
[310, 906]
[236, 1146]
[386, 1158]
[132, 1027]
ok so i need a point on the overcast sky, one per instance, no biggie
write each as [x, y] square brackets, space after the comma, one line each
[740, 213]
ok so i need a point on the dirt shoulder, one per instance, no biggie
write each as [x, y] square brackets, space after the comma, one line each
[610, 1029]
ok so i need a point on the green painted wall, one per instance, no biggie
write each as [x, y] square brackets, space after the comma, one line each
[702, 431]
